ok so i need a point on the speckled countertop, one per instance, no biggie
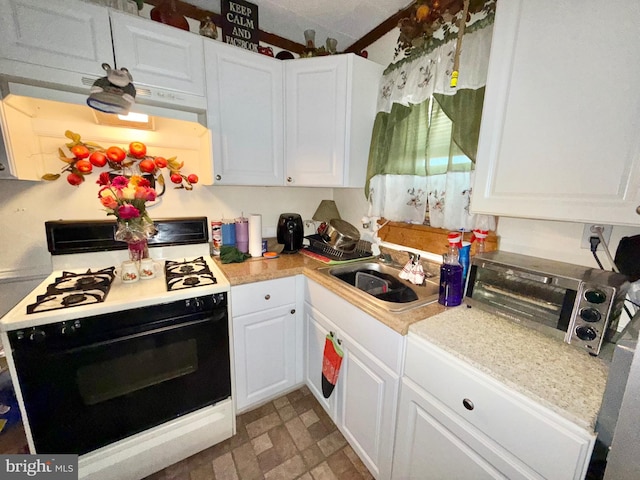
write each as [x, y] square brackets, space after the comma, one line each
[259, 269]
[557, 375]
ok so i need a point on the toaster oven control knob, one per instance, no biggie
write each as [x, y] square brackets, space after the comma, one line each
[590, 315]
[595, 296]
[37, 335]
[586, 333]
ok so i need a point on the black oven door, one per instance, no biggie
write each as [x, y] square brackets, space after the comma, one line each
[92, 388]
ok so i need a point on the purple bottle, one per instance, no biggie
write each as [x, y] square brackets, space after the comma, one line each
[451, 286]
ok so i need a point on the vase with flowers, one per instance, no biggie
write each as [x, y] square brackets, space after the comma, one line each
[126, 199]
[127, 187]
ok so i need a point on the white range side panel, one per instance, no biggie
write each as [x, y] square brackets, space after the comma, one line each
[559, 136]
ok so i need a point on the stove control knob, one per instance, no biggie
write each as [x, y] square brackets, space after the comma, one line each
[219, 299]
[37, 335]
[194, 304]
[69, 328]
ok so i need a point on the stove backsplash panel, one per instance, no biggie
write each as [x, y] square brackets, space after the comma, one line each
[85, 236]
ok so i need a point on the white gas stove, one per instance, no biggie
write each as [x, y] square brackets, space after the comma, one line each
[59, 297]
[132, 377]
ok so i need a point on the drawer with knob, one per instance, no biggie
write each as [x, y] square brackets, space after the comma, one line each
[259, 296]
[541, 438]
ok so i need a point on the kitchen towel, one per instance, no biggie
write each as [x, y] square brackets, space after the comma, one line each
[331, 361]
[255, 235]
[230, 254]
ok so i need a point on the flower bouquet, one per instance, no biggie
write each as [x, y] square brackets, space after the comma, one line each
[127, 187]
[126, 198]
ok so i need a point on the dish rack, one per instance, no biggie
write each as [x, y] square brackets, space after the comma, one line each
[317, 245]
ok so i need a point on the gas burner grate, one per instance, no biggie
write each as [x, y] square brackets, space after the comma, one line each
[188, 273]
[74, 289]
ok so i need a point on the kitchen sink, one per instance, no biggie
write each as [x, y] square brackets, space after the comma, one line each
[381, 284]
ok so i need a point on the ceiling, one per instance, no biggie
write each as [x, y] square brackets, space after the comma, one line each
[345, 20]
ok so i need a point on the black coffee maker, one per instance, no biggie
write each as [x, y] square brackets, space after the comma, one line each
[290, 232]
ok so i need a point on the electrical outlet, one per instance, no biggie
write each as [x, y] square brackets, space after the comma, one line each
[589, 232]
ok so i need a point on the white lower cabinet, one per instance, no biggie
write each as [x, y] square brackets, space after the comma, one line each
[363, 404]
[429, 444]
[456, 422]
[266, 340]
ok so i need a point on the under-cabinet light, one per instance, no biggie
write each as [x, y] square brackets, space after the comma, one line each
[135, 117]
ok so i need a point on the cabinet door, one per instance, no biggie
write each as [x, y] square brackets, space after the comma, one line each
[427, 449]
[158, 55]
[265, 355]
[62, 34]
[559, 136]
[315, 121]
[245, 115]
[367, 406]
[316, 328]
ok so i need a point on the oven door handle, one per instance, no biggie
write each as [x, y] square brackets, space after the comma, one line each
[215, 317]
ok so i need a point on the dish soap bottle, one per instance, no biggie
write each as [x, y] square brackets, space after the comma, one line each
[450, 293]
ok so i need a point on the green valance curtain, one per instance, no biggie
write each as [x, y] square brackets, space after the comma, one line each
[425, 135]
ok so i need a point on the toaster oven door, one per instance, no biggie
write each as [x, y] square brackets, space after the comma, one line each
[522, 296]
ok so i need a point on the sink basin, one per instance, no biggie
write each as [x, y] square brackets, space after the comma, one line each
[381, 284]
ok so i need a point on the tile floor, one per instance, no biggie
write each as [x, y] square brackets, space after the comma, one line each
[289, 438]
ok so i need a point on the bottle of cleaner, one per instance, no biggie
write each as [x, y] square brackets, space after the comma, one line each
[451, 286]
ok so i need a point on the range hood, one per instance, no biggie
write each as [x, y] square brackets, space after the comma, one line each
[34, 116]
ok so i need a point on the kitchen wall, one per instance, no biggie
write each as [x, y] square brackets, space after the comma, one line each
[25, 206]
[548, 239]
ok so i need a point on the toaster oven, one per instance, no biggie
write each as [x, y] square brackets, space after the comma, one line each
[577, 304]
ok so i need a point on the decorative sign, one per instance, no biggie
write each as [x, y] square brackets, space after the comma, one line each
[240, 24]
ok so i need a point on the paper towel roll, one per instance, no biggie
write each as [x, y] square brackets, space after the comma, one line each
[255, 235]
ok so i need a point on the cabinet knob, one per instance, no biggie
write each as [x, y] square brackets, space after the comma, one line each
[468, 404]
[267, 296]
[638, 209]
[289, 179]
[218, 177]
[293, 311]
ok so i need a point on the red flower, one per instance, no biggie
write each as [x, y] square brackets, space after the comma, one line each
[120, 182]
[104, 179]
[128, 211]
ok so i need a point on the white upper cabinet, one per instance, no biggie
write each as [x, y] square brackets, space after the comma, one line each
[67, 41]
[559, 137]
[245, 115]
[158, 55]
[65, 35]
[330, 107]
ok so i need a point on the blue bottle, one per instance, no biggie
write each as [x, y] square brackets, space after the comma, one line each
[464, 253]
[451, 285]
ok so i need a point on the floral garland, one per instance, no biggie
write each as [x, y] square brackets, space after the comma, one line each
[134, 161]
[433, 18]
